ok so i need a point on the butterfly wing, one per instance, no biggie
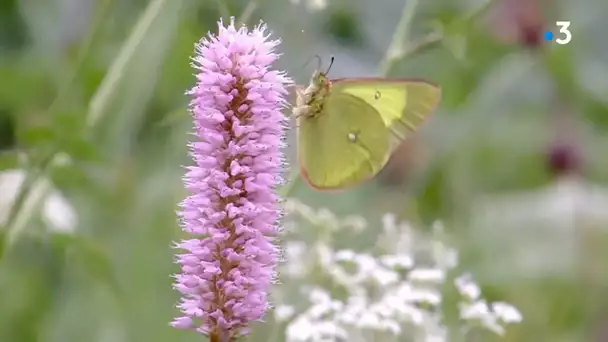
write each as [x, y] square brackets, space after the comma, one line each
[402, 104]
[344, 145]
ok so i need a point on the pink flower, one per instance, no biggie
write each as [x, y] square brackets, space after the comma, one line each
[233, 210]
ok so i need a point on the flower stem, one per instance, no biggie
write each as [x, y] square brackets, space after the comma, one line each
[108, 87]
[395, 50]
[251, 6]
[214, 337]
[17, 216]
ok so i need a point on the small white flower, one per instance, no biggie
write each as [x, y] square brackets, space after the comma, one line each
[491, 323]
[305, 329]
[428, 296]
[345, 255]
[283, 313]
[368, 320]
[319, 296]
[434, 330]
[506, 312]
[330, 331]
[397, 261]
[480, 312]
[319, 311]
[366, 263]
[399, 304]
[473, 311]
[57, 212]
[445, 257]
[349, 316]
[385, 277]
[317, 5]
[427, 275]
[466, 287]
[356, 223]
[300, 330]
[391, 326]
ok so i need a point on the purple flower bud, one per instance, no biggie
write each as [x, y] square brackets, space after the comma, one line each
[564, 159]
[233, 211]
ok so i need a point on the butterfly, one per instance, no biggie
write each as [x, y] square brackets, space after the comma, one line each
[349, 127]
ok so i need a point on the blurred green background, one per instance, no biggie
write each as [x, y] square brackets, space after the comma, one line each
[93, 132]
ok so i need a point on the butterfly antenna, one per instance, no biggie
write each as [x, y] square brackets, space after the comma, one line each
[310, 60]
[319, 62]
[331, 62]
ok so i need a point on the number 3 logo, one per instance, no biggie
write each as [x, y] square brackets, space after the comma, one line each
[563, 28]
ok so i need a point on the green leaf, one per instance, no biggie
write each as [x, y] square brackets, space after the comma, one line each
[69, 135]
[35, 136]
[74, 177]
[80, 149]
[344, 26]
[9, 160]
[33, 288]
[69, 124]
[93, 257]
[16, 77]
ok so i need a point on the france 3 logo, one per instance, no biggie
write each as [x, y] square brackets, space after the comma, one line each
[563, 37]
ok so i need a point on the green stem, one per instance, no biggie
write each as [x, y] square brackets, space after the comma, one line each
[251, 6]
[395, 50]
[15, 221]
[430, 41]
[107, 88]
[83, 53]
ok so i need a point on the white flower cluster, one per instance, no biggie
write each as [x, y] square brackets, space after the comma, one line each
[394, 290]
[312, 5]
[474, 309]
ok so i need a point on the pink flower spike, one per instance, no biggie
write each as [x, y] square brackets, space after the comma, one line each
[232, 213]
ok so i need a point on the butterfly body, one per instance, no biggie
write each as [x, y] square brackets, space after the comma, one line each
[310, 101]
[348, 128]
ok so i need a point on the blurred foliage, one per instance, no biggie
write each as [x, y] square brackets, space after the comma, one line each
[92, 98]
[341, 24]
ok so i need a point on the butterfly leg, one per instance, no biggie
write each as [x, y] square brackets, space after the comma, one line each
[300, 111]
[301, 96]
[301, 108]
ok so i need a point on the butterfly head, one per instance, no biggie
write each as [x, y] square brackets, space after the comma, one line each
[310, 100]
[320, 85]
[319, 81]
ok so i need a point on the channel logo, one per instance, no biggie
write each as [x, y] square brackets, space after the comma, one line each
[563, 36]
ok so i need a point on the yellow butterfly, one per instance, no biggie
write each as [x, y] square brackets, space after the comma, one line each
[348, 128]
